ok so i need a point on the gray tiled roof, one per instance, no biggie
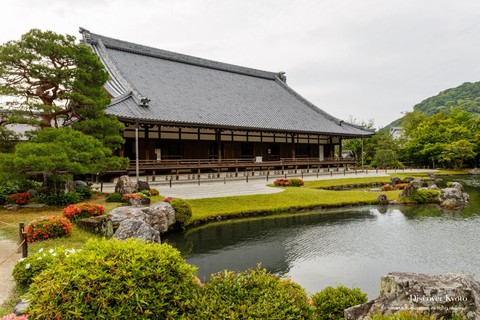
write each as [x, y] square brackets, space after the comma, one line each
[189, 90]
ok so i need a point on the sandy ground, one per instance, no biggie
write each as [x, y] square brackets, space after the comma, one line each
[6, 280]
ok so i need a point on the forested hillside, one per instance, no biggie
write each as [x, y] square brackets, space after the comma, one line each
[466, 96]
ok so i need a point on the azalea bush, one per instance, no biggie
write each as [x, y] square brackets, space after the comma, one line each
[293, 182]
[127, 197]
[13, 316]
[154, 192]
[387, 187]
[168, 199]
[115, 280]
[18, 198]
[47, 228]
[79, 211]
[146, 193]
[252, 294]
[401, 186]
[27, 268]
[331, 302]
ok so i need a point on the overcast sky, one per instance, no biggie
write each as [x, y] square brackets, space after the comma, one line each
[369, 59]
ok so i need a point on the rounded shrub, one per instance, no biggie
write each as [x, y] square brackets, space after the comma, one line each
[292, 182]
[79, 211]
[127, 197]
[114, 197]
[18, 198]
[59, 199]
[252, 294]
[154, 192]
[84, 193]
[146, 192]
[47, 228]
[27, 268]
[424, 196]
[183, 212]
[331, 302]
[387, 187]
[115, 280]
[296, 182]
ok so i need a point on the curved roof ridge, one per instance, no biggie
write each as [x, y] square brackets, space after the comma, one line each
[131, 47]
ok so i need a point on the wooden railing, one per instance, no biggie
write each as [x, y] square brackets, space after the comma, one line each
[185, 163]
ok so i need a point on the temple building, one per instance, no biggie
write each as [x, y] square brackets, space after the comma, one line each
[183, 112]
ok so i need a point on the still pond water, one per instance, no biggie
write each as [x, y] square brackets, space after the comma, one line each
[351, 246]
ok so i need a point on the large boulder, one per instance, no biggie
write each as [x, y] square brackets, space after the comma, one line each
[159, 216]
[454, 197]
[395, 181]
[125, 185]
[433, 295]
[142, 185]
[474, 171]
[410, 188]
[101, 225]
[136, 229]
[382, 199]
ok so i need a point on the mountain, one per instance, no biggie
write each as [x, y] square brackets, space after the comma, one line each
[466, 96]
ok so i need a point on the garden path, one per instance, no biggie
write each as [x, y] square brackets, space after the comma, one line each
[6, 280]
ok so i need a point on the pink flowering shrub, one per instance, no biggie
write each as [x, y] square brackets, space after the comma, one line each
[75, 212]
[18, 198]
[387, 187]
[14, 317]
[127, 197]
[168, 199]
[293, 182]
[47, 228]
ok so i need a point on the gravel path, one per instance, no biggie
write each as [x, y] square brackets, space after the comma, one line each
[6, 280]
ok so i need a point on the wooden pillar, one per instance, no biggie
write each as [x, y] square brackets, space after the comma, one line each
[293, 146]
[137, 169]
[340, 148]
[219, 143]
[147, 146]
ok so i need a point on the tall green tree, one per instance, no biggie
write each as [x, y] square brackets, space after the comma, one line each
[51, 81]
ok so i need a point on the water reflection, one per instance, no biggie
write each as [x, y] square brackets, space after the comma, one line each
[348, 245]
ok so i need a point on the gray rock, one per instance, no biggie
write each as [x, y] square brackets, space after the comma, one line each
[457, 185]
[101, 225]
[395, 181]
[410, 188]
[408, 179]
[13, 206]
[21, 307]
[125, 186]
[139, 202]
[136, 229]
[454, 197]
[375, 190]
[159, 216]
[433, 295]
[143, 185]
[80, 184]
[433, 187]
[475, 171]
[382, 199]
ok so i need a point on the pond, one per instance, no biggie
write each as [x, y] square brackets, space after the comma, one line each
[350, 246]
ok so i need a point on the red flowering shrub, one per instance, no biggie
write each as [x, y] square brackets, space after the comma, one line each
[154, 192]
[168, 199]
[48, 227]
[18, 198]
[79, 211]
[293, 182]
[401, 186]
[127, 197]
[387, 187]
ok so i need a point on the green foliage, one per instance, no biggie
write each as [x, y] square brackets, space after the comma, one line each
[407, 315]
[10, 184]
[385, 158]
[456, 153]
[59, 199]
[146, 193]
[115, 280]
[141, 194]
[47, 228]
[331, 302]
[84, 193]
[49, 74]
[27, 268]
[154, 192]
[253, 294]
[183, 212]
[114, 197]
[424, 196]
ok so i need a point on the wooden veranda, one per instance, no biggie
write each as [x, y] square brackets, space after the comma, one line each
[235, 165]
